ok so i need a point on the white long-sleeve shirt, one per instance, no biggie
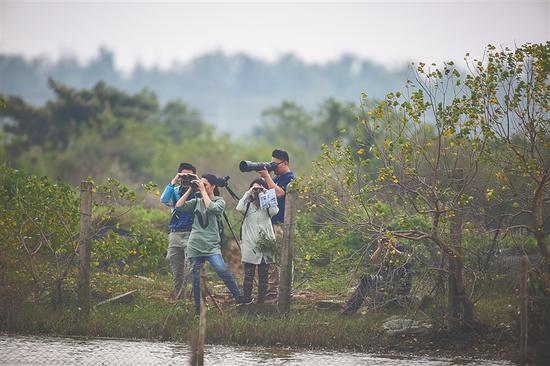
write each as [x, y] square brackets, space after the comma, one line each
[256, 221]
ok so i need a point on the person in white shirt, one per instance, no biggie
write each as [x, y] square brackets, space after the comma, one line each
[257, 239]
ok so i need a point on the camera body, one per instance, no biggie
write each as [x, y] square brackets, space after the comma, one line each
[251, 166]
[222, 182]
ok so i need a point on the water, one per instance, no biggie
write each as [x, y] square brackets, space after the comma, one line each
[33, 350]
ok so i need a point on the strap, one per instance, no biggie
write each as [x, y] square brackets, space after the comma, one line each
[242, 222]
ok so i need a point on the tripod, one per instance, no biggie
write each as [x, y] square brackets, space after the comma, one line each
[227, 219]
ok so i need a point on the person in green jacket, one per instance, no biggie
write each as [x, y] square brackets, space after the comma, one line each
[205, 240]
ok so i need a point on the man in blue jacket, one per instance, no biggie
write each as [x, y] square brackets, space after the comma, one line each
[179, 226]
[283, 177]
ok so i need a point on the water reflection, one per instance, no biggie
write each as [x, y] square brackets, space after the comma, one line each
[33, 350]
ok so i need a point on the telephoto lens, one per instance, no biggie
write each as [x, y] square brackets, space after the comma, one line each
[252, 166]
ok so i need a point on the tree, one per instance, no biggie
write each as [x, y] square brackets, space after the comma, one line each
[39, 227]
[335, 120]
[58, 122]
[428, 157]
[181, 121]
[288, 123]
[512, 94]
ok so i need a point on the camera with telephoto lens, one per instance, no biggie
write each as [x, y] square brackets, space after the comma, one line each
[222, 182]
[251, 166]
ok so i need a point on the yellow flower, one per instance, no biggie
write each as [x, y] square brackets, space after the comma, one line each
[448, 131]
[360, 152]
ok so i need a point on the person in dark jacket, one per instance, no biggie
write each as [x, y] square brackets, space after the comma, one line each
[179, 226]
[390, 274]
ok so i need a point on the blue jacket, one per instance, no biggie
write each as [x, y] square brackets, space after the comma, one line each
[282, 181]
[180, 221]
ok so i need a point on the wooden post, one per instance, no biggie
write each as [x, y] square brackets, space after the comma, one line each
[287, 252]
[84, 248]
[202, 319]
[454, 297]
[523, 298]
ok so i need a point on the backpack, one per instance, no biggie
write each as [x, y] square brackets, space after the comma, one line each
[221, 230]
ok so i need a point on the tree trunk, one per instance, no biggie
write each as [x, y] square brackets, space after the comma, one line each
[538, 223]
[57, 295]
[466, 307]
[439, 293]
[453, 298]
[84, 249]
[460, 308]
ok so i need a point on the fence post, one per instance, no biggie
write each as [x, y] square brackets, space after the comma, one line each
[84, 248]
[524, 299]
[202, 318]
[287, 252]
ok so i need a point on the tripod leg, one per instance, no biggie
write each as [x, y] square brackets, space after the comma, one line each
[232, 232]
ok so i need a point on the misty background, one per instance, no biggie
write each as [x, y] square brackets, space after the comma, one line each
[229, 91]
[128, 90]
[230, 61]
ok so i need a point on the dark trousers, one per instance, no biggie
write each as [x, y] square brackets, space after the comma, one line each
[249, 271]
[369, 284]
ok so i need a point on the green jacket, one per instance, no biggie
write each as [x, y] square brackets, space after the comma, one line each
[205, 235]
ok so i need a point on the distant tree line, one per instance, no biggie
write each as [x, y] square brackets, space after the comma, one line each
[229, 91]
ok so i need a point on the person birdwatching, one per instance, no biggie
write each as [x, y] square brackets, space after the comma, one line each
[283, 177]
[256, 235]
[389, 274]
[205, 240]
[179, 227]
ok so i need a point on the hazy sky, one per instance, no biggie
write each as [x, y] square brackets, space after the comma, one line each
[388, 32]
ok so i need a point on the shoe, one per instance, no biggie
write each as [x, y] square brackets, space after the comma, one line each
[241, 300]
[347, 311]
[271, 294]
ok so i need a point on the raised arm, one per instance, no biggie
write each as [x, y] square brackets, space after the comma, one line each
[279, 192]
[181, 204]
[168, 196]
[241, 206]
[375, 257]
